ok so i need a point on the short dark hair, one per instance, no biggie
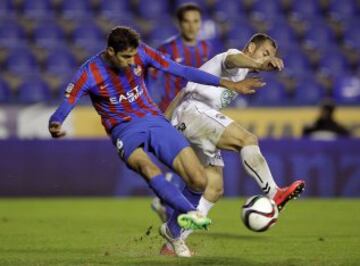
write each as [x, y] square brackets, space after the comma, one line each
[259, 38]
[181, 10]
[122, 38]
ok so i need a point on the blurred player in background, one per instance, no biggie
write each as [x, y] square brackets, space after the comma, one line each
[195, 112]
[184, 48]
[114, 79]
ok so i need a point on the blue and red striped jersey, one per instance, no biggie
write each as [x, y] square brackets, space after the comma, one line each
[184, 54]
[121, 95]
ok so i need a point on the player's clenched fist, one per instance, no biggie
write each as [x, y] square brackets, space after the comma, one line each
[55, 130]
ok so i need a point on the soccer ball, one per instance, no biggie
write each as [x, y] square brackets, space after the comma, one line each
[259, 213]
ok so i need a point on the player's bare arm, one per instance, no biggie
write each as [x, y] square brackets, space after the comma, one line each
[265, 63]
[245, 86]
[55, 130]
[174, 103]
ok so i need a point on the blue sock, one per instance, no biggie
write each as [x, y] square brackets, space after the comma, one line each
[180, 184]
[194, 198]
[169, 194]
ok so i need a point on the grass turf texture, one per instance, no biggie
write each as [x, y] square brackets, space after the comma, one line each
[101, 231]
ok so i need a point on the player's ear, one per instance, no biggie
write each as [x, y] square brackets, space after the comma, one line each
[251, 47]
[110, 51]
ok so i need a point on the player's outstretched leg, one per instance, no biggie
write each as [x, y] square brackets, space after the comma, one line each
[141, 163]
[236, 138]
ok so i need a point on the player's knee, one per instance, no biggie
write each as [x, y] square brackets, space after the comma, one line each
[218, 192]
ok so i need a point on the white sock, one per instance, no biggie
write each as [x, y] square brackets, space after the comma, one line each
[204, 207]
[256, 166]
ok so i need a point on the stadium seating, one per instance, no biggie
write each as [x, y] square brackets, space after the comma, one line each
[153, 9]
[53, 28]
[89, 37]
[269, 8]
[37, 8]
[228, 10]
[114, 8]
[306, 8]
[5, 93]
[6, 8]
[343, 9]
[60, 62]
[11, 33]
[74, 9]
[48, 34]
[308, 92]
[21, 61]
[33, 90]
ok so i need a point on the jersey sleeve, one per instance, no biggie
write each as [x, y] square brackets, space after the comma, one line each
[74, 90]
[161, 62]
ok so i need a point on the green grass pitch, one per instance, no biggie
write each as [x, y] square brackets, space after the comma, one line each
[110, 231]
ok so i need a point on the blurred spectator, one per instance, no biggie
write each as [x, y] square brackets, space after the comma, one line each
[325, 127]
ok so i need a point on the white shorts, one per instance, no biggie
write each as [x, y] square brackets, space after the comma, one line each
[203, 127]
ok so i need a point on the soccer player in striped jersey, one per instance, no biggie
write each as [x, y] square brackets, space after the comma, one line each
[184, 48]
[115, 83]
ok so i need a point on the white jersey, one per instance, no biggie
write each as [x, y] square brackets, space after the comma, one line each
[216, 97]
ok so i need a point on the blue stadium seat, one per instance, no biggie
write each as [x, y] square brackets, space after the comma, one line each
[6, 8]
[21, 61]
[334, 62]
[239, 35]
[74, 9]
[347, 90]
[38, 8]
[60, 62]
[48, 34]
[296, 62]
[308, 92]
[89, 37]
[11, 33]
[114, 8]
[343, 9]
[160, 34]
[271, 9]
[271, 95]
[352, 37]
[201, 3]
[228, 10]
[283, 35]
[33, 90]
[5, 93]
[153, 9]
[319, 34]
[306, 8]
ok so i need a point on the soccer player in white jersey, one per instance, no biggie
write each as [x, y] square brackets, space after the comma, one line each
[196, 112]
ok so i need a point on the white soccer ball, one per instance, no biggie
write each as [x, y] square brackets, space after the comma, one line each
[259, 213]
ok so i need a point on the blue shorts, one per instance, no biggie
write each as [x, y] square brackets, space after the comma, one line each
[154, 134]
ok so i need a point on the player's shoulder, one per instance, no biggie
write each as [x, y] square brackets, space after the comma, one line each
[169, 41]
[233, 51]
[95, 59]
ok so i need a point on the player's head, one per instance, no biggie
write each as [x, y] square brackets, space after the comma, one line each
[260, 45]
[122, 46]
[189, 19]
